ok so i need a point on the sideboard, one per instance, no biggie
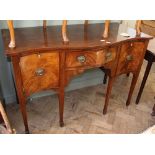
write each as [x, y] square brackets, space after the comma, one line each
[42, 61]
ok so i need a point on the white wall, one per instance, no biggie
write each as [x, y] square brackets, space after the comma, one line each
[130, 23]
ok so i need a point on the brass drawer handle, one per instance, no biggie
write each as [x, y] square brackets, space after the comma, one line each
[129, 58]
[108, 55]
[40, 72]
[81, 58]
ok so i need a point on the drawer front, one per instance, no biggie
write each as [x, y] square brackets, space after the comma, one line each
[90, 59]
[39, 72]
[131, 56]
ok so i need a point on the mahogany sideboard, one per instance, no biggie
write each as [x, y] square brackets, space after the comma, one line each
[42, 61]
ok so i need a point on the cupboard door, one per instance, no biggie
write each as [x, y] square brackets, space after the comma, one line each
[39, 72]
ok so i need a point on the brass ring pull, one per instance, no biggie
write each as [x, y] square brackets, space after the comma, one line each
[39, 71]
[108, 55]
[129, 58]
[81, 58]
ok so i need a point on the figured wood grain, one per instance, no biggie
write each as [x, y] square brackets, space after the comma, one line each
[93, 58]
[32, 83]
[136, 51]
[42, 50]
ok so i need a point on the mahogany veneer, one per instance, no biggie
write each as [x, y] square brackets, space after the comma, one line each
[36, 72]
[42, 61]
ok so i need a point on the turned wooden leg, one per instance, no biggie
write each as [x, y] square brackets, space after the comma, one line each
[64, 31]
[106, 29]
[109, 88]
[61, 107]
[138, 24]
[147, 71]
[133, 84]
[12, 34]
[153, 111]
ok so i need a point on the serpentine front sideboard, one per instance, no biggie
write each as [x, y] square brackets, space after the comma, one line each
[42, 61]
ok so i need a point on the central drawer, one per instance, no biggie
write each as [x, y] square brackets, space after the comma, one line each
[89, 58]
[39, 72]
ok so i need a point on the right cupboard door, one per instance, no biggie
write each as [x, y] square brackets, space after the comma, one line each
[131, 56]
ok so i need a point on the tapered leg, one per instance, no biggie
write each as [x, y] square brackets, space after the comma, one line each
[24, 114]
[147, 71]
[61, 89]
[20, 91]
[61, 107]
[133, 84]
[153, 111]
[109, 88]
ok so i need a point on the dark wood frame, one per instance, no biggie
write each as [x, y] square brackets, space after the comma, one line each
[150, 58]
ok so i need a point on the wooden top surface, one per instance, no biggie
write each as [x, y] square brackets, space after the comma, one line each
[36, 38]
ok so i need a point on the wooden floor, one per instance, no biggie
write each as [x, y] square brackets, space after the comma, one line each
[83, 110]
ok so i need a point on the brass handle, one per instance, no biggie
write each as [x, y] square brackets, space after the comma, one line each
[108, 55]
[81, 58]
[39, 71]
[129, 58]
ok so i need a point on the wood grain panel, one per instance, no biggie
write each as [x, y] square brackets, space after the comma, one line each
[135, 52]
[92, 58]
[105, 57]
[49, 63]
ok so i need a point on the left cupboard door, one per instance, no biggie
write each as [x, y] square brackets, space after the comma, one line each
[39, 72]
